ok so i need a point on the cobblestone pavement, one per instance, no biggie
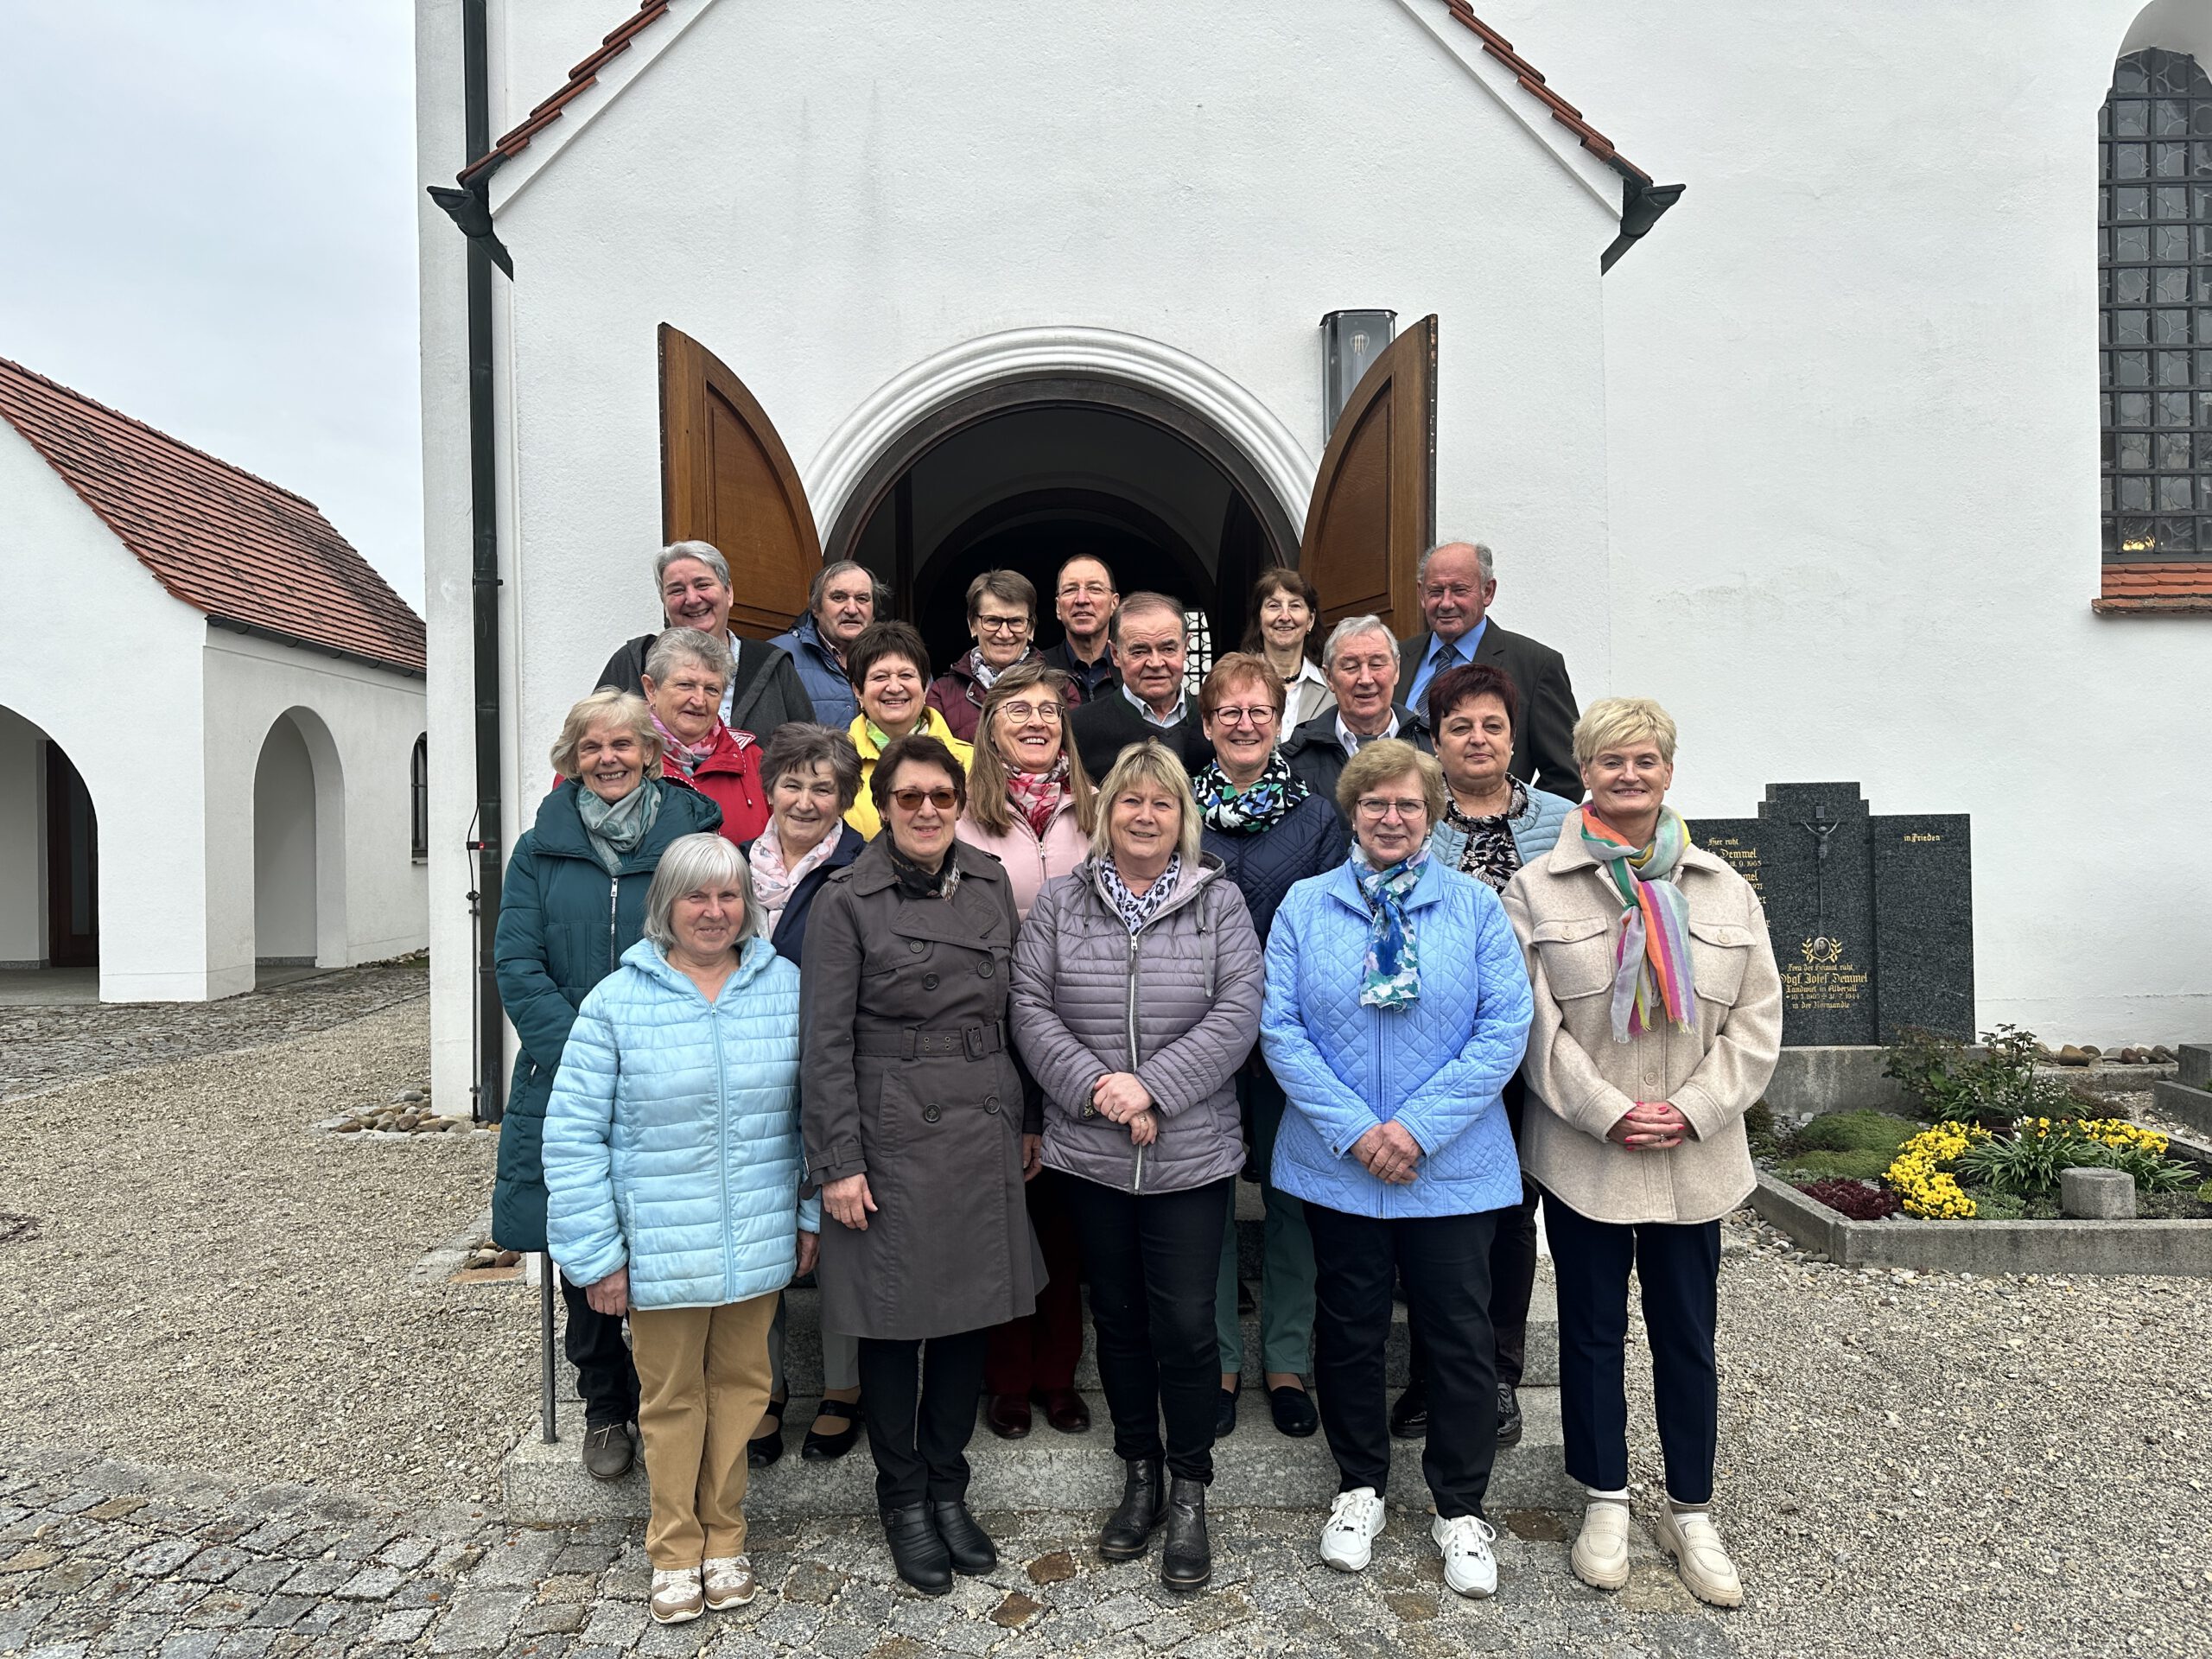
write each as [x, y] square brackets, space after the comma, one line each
[43, 1047]
[100, 1559]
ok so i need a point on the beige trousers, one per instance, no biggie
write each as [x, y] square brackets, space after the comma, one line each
[702, 1384]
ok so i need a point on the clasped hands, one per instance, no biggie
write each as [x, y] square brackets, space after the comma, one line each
[1650, 1126]
[1119, 1097]
[1388, 1152]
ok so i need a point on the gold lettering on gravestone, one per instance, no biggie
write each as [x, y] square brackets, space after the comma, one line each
[1746, 860]
[1823, 979]
[1916, 836]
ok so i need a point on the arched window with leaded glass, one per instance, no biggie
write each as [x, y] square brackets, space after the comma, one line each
[2154, 254]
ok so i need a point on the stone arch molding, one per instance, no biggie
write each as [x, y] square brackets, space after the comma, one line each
[1039, 353]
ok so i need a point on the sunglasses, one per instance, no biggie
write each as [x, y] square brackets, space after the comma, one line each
[910, 800]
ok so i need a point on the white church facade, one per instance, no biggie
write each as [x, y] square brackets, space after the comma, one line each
[1807, 448]
[213, 735]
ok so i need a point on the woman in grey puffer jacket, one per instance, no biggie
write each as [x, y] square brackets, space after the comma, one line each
[1137, 986]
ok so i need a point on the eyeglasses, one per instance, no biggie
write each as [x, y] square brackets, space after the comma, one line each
[910, 800]
[1374, 806]
[1022, 713]
[1263, 715]
[1003, 623]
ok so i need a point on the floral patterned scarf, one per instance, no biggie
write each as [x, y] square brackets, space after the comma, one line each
[1259, 806]
[1393, 975]
[773, 881]
[1492, 856]
[688, 756]
[1038, 796]
[1138, 909]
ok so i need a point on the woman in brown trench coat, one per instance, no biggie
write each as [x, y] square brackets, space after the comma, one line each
[920, 1131]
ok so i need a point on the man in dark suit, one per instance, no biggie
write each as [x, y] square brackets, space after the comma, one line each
[1150, 638]
[1361, 661]
[1457, 582]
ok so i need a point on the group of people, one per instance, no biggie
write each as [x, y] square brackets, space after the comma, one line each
[902, 997]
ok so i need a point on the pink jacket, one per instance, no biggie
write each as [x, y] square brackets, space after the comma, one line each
[1030, 863]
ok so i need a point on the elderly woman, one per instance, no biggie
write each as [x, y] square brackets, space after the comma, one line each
[1658, 1022]
[1493, 823]
[1002, 619]
[686, 672]
[1030, 807]
[607, 824]
[890, 669]
[1397, 1009]
[915, 1117]
[812, 775]
[1285, 609]
[1269, 831]
[1137, 997]
[672, 1162]
[767, 687]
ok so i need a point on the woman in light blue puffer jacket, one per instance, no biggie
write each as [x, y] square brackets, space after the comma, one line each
[673, 1172]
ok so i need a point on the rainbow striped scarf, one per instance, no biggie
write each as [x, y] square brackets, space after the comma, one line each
[1652, 966]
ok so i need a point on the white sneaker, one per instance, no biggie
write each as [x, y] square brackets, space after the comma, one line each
[1599, 1557]
[1469, 1566]
[677, 1598]
[1355, 1518]
[1700, 1556]
[729, 1581]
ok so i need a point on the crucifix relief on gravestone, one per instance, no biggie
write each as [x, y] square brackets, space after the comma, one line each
[1870, 917]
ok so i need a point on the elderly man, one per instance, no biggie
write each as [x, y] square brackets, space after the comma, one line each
[765, 689]
[1150, 638]
[1361, 662]
[841, 602]
[1458, 580]
[1084, 599]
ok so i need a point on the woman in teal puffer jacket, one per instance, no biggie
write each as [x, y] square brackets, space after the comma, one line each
[673, 1172]
[573, 901]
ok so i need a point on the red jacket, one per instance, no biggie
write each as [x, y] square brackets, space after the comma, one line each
[730, 778]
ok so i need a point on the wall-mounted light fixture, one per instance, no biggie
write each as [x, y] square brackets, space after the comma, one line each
[1350, 341]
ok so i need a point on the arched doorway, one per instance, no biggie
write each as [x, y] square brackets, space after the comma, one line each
[49, 855]
[299, 878]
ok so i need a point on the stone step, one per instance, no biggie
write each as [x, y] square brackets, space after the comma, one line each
[2196, 1064]
[2184, 1104]
[1256, 1467]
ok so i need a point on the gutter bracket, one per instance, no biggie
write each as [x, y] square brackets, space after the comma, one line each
[1641, 202]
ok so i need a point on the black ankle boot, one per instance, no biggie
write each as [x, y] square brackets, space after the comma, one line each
[917, 1551]
[1187, 1561]
[1128, 1530]
[972, 1551]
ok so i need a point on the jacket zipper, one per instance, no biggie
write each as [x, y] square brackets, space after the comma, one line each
[1137, 1183]
[613, 922]
[721, 1157]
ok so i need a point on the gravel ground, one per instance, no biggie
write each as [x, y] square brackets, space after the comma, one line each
[213, 1285]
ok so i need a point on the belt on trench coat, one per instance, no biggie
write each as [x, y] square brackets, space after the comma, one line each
[915, 1042]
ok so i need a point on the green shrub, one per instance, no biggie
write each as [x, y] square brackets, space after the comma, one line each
[1854, 1132]
[2001, 1086]
[1758, 1128]
[1990, 1205]
[1859, 1166]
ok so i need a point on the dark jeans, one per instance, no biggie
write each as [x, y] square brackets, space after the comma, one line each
[605, 1376]
[1444, 1260]
[1039, 1349]
[1151, 1259]
[919, 1400]
[1512, 1271]
[1678, 1268]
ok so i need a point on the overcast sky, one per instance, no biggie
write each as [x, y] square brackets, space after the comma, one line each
[207, 222]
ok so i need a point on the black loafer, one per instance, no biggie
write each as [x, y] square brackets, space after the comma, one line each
[1224, 1415]
[972, 1551]
[1509, 1416]
[1409, 1417]
[765, 1449]
[917, 1550]
[609, 1451]
[828, 1448]
[1294, 1411]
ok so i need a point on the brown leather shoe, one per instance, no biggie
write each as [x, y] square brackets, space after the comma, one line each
[1008, 1415]
[1063, 1409]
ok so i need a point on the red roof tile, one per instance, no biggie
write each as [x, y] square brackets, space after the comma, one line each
[2183, 586]
[585, 74]
[238, 548]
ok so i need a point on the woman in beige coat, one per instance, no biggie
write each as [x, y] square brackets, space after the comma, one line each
[1658, 1021]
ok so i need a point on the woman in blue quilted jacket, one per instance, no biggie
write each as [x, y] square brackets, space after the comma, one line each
[672, 1176]
[1397, 1007]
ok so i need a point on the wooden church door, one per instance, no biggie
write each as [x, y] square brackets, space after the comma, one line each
[1373, 512]
[726, 479]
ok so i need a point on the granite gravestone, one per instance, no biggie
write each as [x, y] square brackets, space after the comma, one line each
[1871, 917]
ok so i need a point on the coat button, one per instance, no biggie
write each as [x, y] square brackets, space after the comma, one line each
[931, 1114]
[991, 1105]
[984, 969]
[929, 981]
[916, 946]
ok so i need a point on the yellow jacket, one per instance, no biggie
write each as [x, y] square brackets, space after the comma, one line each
[863, 817]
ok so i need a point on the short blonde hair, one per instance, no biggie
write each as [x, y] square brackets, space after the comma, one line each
[1149, 762]
[606, 706]
[1381, 760]
[1616, 723]
[690, 863]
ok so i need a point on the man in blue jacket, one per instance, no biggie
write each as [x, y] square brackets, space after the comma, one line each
[841, 602]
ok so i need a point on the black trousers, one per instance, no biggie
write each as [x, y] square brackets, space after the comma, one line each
[605, 1376]
[1445, 1263]
[917, 1398]
[1512, 1270]
[1153, 1259]
[1679, 1267]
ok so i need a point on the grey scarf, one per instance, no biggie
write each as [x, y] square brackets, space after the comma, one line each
[617, 829]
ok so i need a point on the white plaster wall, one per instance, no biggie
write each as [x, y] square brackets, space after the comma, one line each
[359, 724]
[284, 847]
[23, 842]
[1853, 397]
[66, 579]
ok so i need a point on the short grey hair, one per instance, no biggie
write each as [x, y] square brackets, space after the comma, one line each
[1351, 628]
[690, 863]
[820, 585]
[1137, 603]
[677, 647]
[1484, 556]
[702, 551]
[608, 706]
[800, 746]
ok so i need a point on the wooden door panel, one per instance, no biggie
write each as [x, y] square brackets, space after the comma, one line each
[726, 479]
[1373, 512]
